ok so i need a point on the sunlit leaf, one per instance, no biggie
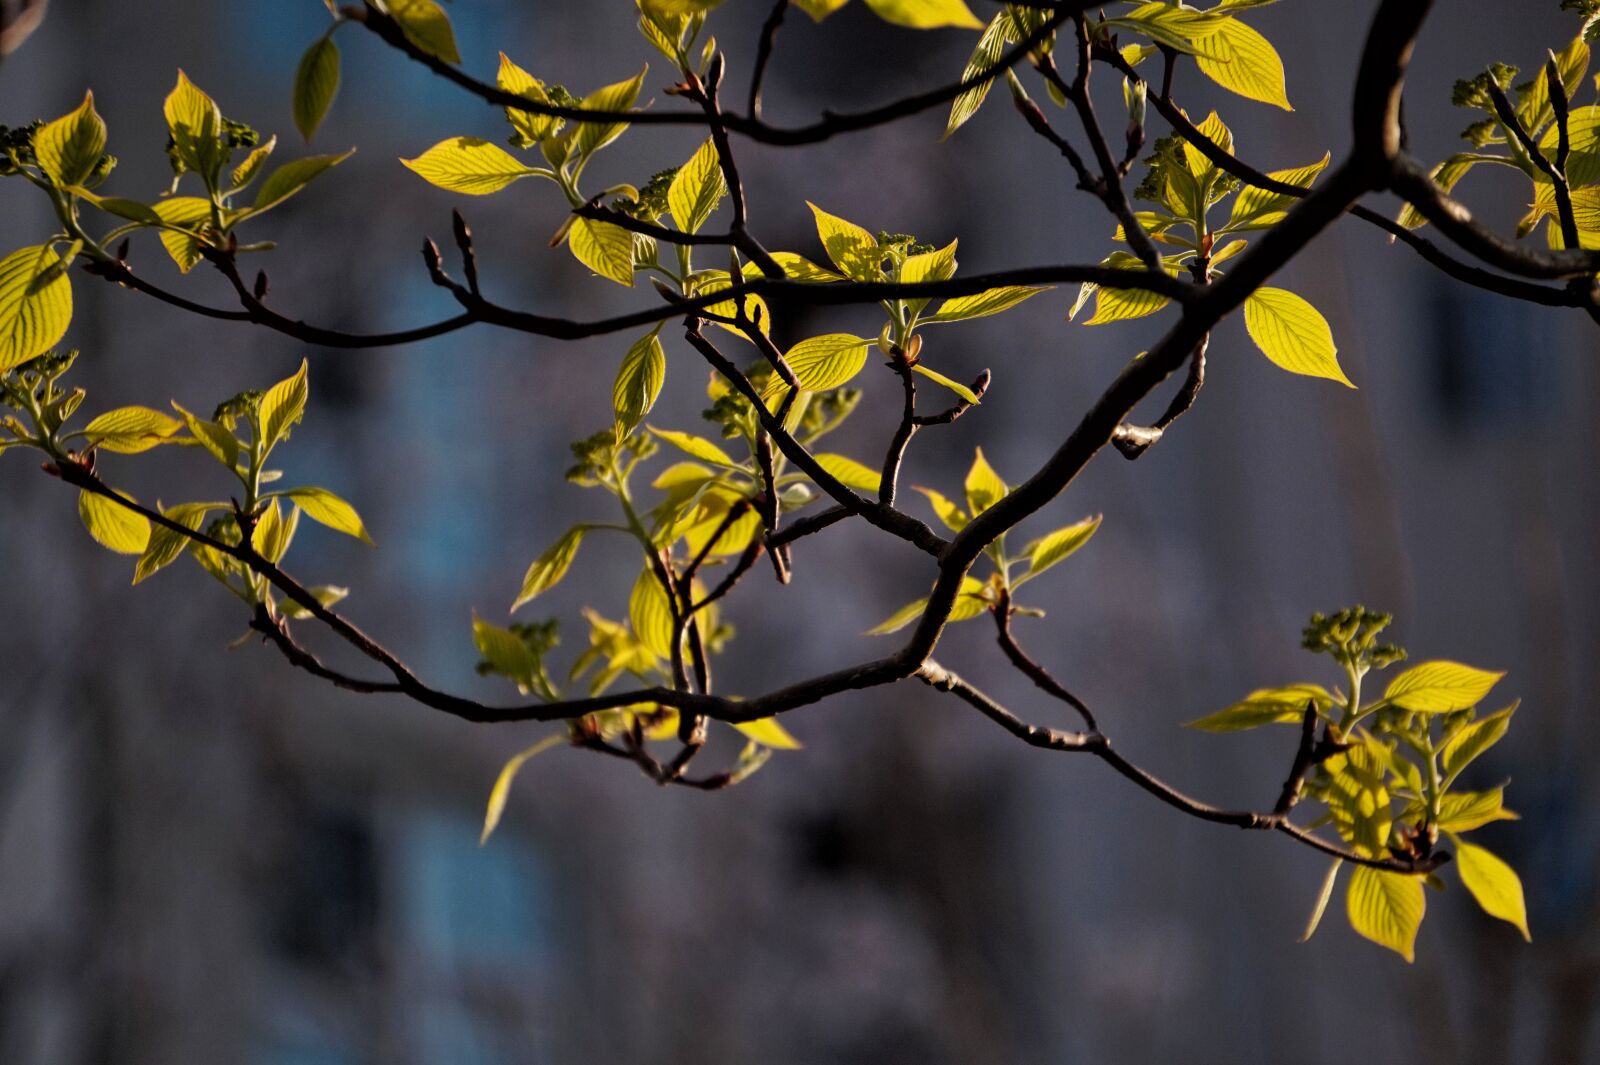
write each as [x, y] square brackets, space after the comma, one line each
[1293, 334]
[1440, 686]
[1386, 908]
[1494, 884]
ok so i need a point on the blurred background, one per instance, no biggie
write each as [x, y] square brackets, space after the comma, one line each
[208, 856]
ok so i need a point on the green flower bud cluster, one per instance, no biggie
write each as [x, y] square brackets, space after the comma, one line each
[16, 147]
[598, 455]
[242, 407]
[540, 637]
[1474, 92]
[1350, 636]
[652, 201]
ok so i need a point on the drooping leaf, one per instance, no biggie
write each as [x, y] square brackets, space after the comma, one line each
[1494, 884]
[502, 784]
[967, 394]
[983, 304]
[1323, 897]
[1242, 61]
[991, 47]
[166, 545]
[851, 473]
[1440, 686]
[650, 614]
[426, 25]
[1293, 334]
[316, 83]
[35, 304]
[952, 516]
[186, 213]
[112, 525]
[697, 446]
[1386, 908]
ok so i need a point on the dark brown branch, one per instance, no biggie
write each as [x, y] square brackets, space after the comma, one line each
[831, 124]
[764, 47]
[1031, 669]
[1556, 174]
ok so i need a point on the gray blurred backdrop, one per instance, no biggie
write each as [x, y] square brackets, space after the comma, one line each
[206, 856]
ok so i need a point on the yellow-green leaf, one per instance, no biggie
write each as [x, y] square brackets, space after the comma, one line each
[69, 147]
[1386, 908]
[293, 176]
[1494, 884]
[639, 381]
[967, 394]
[819, 9]
[1440, 686]
[969, 604]
[427, 26]
[650, 614]
[529, 126]
[1122, 304]
[590, 137]
[926, 14]
[130, 430]
[506, 652]
[1293, 334]
[316, 82]
[696, 188]
[1242, 61]
[697, 446]
[165, 545]
[851, 473]
[983, 304]
[991, 47]
[469, 165]
[604, 248]
[984, 487]
[242, 176]
[1049, 550]
[35, 304]
[112, 525]
[195, 125]
[326, 508]
[550, 567]
[502, 784]
[183, 212]
[1323, 898]
[952, 516]
[853, 250]
[1473, 739]
[283, 405]
[824, 362]
[767, 732]
[1256, 208]
[217, 440]
[1268, 706]
[1463, 811]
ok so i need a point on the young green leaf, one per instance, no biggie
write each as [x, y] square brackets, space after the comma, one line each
[604, 248]
[291, 177]
[852, 249]
[283, 405]
[991, 47]
[969, 604]
[819, 9]
[697, 446]
[529, 127]
[196, 127]
[952, 516]
[35, 304]
[1242, 61]
[130, 430]
[469, 165]
[926, 14]
[984, 487]
[983, 304]
[1059, 545]
[69, 148]
[824, 362]
[1323, 897]
[505, 652]
[1291, 333]
[639, 381]
[550, 567]
[243, 174]
[221, 444]
[590, 137]
[326, 594]
[851, 473]
[1386, 908]
[1463, 811]
[650, 614]
[186, 213]
[967, 394]
[697, 188]
[326, 508]
[165, 545]
[1256, 208]
[1441, 686]
[1268, 706]
[113, 526]
[427, 26]
[316, 83]
[1494, 884]
[767, 732]
[1473, 739]
[502, 784]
